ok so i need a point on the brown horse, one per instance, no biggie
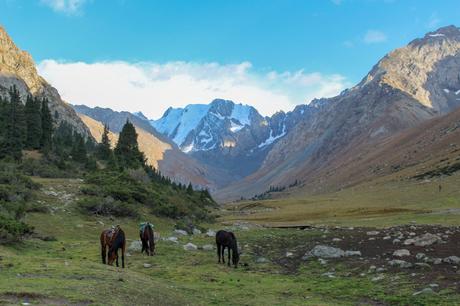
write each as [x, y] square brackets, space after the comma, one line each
[147, 239]
[114, 239]
[227, 240]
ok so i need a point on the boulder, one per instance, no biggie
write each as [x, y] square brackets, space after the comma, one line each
[372, 233]
[453, 260]
[423, 240]
[147, 265]
[208, 247]
[401, 253]
[324, 251]
[262, 260]
[172, 239]
[352, 253]
[400, 263]
[190, 247]
[196, 231]
[211, 233]
[180, 232]
[135, 246]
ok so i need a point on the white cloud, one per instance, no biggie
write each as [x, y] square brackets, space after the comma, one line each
[433, 21]
[152, 87]
[65, 6]
[374, 36]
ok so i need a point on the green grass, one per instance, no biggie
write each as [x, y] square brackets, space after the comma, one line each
[68, 270]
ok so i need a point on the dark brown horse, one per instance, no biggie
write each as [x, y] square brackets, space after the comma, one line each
[147, 239]
[224, 240]
[114, 239]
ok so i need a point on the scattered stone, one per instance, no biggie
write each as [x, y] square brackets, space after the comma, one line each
[423, 240]
[373, 233]
[352, 253]
[196, 231]
[180, 232]
[147, 265]
[396, 241]
[325, 251]
[387, 238]
[409, 241]
[372, 269]
[172, 239]
[100, 223]
[453, 260]
[135, 246]
[336, 239]
[378, 278]
[420, 256]
[208, 247]
[289, 254]
[401, 253]
[422, 265]
[322, 261]
[329, 274]
[262, 260]
[211, 233]
[380, 270]
[400, 263]
[190, 247]
[437, 261]
[434, 285]
[424, 291]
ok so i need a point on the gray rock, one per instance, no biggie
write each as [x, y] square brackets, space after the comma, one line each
[329, 274]
[437, 261]
[378, 278]
[324, 251]
[400, 263]
[211, 233]
[422, 265]
[147, 265]
[426, 291]
[336, 239]
[180, 232]
[172, 239]
[352, 253]
[135, 246]
[426, 239]
[453, 260]
[262, 260]
[289, 254]
[409, 241]
[190, 247]
[401, 253]
[322, 262]
[208, 247]
[372, 233]
[420, 256]
[396, 241]
[196, 231]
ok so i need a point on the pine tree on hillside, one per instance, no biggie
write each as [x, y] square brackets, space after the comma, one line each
[33, 123]
[79, 153]
[15, 127]
[190, 188]
[127, 150]
[104, 150]
[47, 126]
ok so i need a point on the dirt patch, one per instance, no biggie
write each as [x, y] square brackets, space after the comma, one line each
[377, 247]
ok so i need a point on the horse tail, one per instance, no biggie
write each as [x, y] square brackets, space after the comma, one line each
[151, 235]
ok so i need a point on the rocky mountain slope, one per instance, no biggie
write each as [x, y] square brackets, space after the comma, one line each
[407, 87]
[159, 152]
[233, 138]
[18, 68]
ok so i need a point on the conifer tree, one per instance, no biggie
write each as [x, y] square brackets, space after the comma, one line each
[79, 149]
[104, 150]
[33, 123]
[127, 150]
[190, 188]
[15, 127]
[47, 126]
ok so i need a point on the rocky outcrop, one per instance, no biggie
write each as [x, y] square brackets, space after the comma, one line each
[17, 68]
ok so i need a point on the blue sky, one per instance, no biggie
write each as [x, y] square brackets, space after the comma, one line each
[281, 48]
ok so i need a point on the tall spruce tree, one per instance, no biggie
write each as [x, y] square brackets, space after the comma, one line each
[127, 150]
[15, 127]
[47, 126]
[104, 150]
[79, 149]
[33, 123]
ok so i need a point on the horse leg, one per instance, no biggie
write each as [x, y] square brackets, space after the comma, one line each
[218, 253]
[103, 253]
[228, 251]
[116, 256]
[152, 248]
[223, 254]
[123, 247]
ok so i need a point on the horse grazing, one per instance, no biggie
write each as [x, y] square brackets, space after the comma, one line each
[147, 238]
[114, 239]
[224, 240]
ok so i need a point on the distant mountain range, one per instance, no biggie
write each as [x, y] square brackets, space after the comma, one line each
[402, 115]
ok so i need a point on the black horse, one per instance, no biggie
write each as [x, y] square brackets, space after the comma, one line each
[224, 240]
[147, 239]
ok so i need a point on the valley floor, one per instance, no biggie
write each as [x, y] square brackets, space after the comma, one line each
[60, 264]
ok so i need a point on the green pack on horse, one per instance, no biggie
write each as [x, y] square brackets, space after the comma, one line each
[147, 238]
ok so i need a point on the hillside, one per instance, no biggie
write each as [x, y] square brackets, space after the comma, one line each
[160, 154]
[18, 68]
[385, 103]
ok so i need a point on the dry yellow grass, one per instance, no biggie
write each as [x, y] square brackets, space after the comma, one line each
[152, 147]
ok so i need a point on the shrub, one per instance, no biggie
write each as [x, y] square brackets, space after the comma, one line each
[107, 207]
